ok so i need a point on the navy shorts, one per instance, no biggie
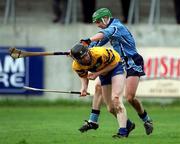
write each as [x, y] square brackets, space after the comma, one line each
[119, 69]
[135, 66]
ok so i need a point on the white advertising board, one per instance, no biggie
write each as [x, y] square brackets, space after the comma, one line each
[162, 68]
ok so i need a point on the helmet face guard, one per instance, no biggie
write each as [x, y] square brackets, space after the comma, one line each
[78, 52]
[100, 13]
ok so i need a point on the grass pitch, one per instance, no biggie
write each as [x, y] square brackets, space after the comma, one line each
[58, 124]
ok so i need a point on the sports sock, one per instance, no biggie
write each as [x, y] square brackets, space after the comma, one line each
[128, 124]
[123, 131]
[94, 116]
[144, 117]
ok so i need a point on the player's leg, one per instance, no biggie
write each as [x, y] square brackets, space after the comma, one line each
[97, 99]
[92, 123]
[117, 90]
[113, 96]
[106, 94]
[130, 92]
[118, 82]
[96, 103]
[134, 72]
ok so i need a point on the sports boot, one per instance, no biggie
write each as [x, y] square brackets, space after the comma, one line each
[118, 135]
[122, 133]
[148, 125]
[87, 126]
[130, 128]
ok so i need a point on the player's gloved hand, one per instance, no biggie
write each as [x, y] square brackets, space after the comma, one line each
[85, 42]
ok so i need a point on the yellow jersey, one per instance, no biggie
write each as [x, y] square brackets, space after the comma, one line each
[100, 58]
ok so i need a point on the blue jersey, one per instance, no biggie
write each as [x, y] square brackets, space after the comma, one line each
[120, 38]
[123, 42]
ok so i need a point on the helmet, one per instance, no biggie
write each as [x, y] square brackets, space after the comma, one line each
[100, 13]
[78, 51]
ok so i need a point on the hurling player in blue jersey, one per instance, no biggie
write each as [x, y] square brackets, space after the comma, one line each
[113, 31]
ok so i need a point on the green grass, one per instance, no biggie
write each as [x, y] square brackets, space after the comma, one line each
[58, 124]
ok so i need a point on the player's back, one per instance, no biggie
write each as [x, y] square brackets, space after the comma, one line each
[120, 38]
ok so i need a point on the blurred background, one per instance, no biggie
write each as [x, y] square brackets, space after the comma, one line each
[56, 25]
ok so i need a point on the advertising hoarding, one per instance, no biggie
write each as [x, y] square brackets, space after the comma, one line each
[16, 73]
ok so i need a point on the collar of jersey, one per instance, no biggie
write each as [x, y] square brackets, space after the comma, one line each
[110, 22]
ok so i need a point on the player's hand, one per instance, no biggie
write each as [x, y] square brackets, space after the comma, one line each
[83, 93]
[92, 76]
[85, 42]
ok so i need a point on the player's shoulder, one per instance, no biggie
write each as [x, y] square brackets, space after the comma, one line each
[116, 23]
[97, 49]
[75, 65]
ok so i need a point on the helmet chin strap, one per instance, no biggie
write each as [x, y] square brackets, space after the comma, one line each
[106, 22]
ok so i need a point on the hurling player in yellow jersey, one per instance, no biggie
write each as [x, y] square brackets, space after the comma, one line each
[90, 63]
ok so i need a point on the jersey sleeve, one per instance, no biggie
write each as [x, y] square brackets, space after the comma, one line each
[102, 42]
[93, 44]
[98, 43]
[81, 72]
[108, 32]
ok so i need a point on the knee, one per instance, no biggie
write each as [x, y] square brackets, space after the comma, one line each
[111, 110]
[118, 105]
[98, 88]
[130, 98]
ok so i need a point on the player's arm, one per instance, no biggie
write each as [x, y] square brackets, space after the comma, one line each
[99, 43]
[111, 60]
[83, 77]
[102, 42]
[97, 37]
[109, 67]
[104, 33]
[84, 86]
[84, 82]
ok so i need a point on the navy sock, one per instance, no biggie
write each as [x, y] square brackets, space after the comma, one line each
[128, 124]
[144, 116]
[123, 131]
